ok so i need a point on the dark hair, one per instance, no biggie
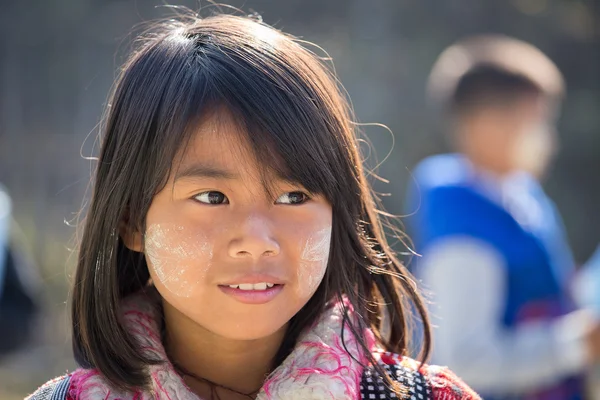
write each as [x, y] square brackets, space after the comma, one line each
[492, 70]
[289, 105]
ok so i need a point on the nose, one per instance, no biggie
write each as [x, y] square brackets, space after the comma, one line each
[253, 239]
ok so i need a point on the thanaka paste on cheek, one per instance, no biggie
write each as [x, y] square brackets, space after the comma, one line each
[313, 261]
[180, 260]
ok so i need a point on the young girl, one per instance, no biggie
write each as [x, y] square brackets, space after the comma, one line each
[232, 248]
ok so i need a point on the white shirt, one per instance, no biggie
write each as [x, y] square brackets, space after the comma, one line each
[468, 287]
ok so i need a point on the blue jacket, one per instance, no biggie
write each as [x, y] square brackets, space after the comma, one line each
[449, 199]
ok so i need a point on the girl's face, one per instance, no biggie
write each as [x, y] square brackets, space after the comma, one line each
[224, 254]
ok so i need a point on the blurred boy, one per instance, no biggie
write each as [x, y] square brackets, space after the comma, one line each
[494, 251]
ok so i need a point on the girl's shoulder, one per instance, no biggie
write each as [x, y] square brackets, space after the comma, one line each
[420, 382]
[56, 389]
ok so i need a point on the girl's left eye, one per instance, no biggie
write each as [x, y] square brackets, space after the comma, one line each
[292, 198]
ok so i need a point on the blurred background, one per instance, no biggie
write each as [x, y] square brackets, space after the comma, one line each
[58, 60]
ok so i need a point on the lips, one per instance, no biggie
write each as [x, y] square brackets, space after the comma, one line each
[253, 288]
[252, 296]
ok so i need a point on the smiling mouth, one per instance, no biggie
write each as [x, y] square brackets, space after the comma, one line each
[252, 293]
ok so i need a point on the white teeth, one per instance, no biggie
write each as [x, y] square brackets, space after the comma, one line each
[260, 286]
[255, 286]
[246, 286]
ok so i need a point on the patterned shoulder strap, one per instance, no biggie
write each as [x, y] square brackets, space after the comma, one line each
[56, 389]
[373, 386]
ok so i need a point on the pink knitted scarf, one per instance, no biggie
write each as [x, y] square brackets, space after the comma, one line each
[318, 368]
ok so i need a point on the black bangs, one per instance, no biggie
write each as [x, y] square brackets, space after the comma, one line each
[289, 123]
[287, 130]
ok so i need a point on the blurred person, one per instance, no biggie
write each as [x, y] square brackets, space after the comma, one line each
[587, 284]
[5, 216]
[586, 288]
[231, 249]
[494, 253]
[19, 294]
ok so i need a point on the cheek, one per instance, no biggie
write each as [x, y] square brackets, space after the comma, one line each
[178, 259]
[314, 255]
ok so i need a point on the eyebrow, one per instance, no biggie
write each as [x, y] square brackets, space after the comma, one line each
[199, 170]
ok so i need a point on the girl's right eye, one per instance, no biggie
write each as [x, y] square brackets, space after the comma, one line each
[212, 197]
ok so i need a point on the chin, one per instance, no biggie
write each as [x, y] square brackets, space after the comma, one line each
[250, 322]
[233, 320]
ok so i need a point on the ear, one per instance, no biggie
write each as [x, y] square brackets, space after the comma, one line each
[132, 238]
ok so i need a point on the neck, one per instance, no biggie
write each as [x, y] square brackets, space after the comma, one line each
[241, 365]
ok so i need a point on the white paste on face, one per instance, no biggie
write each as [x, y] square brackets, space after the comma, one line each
[180, 260]
[313, 261]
